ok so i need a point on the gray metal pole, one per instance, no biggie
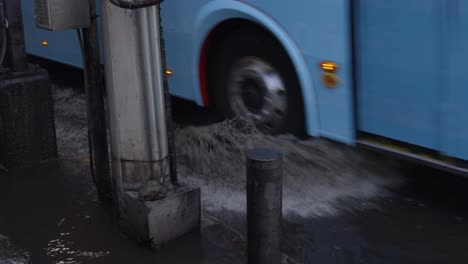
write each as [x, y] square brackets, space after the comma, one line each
[264, 205]
[137, 109]
[99, 154]
[149, 203]
[16, 54]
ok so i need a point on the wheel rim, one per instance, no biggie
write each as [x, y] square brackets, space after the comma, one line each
[256, 90]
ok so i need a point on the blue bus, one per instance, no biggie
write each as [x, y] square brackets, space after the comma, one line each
[389, 75]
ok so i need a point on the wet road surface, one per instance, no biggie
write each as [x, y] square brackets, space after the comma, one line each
[51, 211]
[423, 221]
[51, 214]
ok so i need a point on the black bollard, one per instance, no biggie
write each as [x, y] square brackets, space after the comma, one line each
[264, 205]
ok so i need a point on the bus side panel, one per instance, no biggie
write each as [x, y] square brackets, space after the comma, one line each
[411, 72]
[455, 98]
[304, 24]
[63, 46]
[398, 79]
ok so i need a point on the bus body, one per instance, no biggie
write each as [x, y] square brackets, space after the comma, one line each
[400, 83]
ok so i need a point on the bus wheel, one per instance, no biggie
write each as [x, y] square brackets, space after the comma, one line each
[252, 76]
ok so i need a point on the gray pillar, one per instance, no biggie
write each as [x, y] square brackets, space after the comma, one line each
[136, 99]
[151, 208]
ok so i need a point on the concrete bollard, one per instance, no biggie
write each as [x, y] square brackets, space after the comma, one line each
[264, 205]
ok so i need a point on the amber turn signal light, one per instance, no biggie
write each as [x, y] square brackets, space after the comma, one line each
[329, 66]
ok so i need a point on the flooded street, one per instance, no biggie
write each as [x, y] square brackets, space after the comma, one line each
[423, 221]
[341, 205]
[52, 213]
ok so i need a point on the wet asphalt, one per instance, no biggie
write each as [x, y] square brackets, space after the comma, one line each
[51, 212]
[423, 221]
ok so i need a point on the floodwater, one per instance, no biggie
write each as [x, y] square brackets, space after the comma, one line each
[423, 221]
[341, 205]
[52, 214]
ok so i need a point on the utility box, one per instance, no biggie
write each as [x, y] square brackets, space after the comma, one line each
[27, 128]
[62, 14]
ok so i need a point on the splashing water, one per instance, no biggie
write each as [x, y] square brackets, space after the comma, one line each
[70, 122]
[318, 174]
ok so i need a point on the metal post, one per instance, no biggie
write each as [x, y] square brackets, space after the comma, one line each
[151, 208]
[264, 205]
[16, 54]
[99, 154]
[137, 109]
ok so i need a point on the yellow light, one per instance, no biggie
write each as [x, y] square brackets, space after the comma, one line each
[45, 43]
[329, 66]
[169, 72]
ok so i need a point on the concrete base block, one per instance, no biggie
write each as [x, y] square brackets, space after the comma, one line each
[27, 128]
[158, 222]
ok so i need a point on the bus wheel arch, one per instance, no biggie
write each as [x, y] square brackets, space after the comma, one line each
[244, 31]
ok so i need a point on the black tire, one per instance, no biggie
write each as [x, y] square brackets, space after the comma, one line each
[253, 42]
